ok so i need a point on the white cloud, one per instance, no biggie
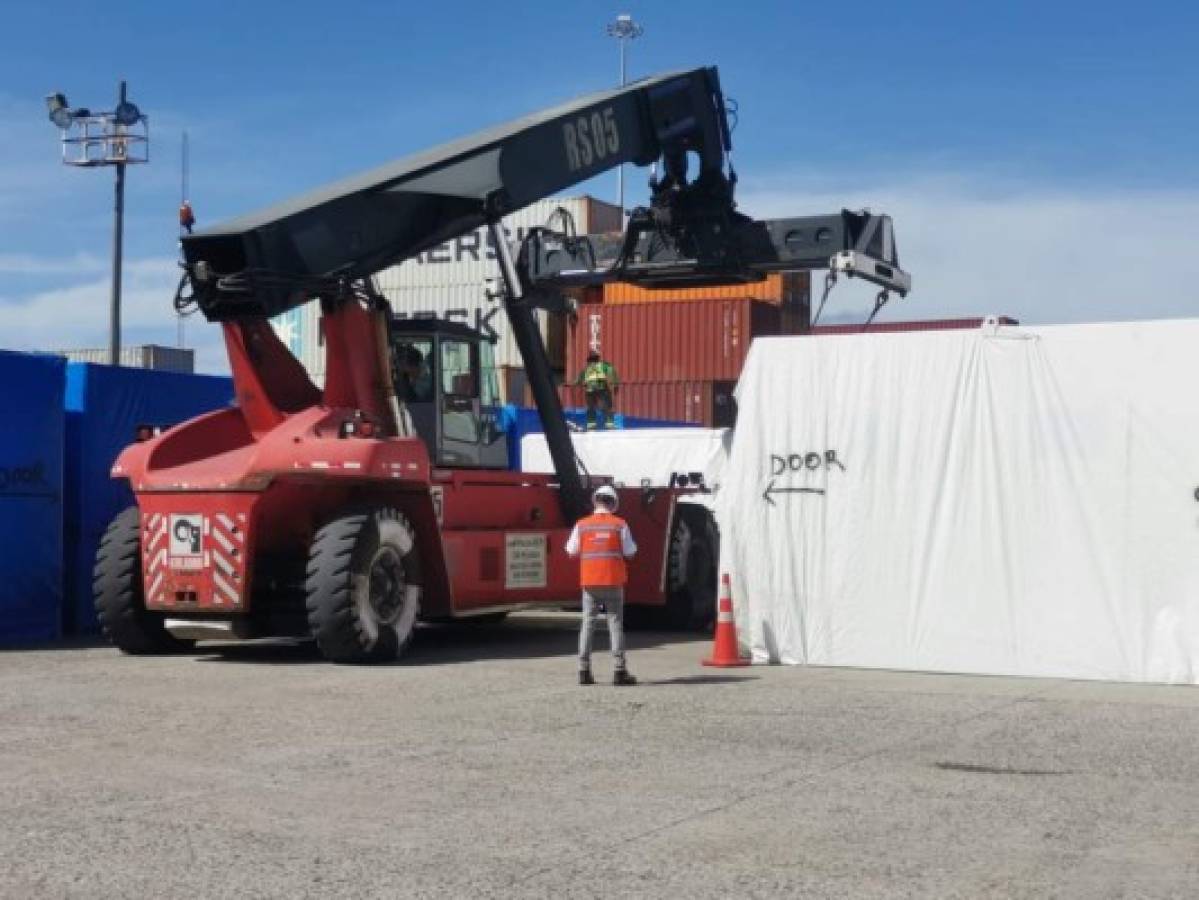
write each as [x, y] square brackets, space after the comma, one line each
[974, 246]
[77, 315]
[29, 264]
[992, 246]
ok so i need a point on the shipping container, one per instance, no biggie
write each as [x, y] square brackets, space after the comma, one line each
[449, 282]
[143, 356]
[707, 403]
[790, 289]
[31, 494]
[513, 385]
[470, 258]
[914, 325]
[689, 340]
[301, 329]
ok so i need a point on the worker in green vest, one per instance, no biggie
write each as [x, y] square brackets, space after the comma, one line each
[599, 383]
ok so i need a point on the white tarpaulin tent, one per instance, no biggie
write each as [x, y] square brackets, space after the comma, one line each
[656, 457]
[1016, 501]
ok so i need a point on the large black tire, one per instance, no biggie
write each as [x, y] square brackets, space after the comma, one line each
[691, 571]
[362, 592]
[119, 596]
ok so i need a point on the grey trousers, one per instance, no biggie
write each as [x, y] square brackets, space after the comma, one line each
[613, 600]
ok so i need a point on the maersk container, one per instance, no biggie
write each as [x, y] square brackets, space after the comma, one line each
[450, 282]
[684, 340]
[470, 258]
[300, 331]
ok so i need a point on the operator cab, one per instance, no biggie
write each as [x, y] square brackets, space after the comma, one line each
[445, 374]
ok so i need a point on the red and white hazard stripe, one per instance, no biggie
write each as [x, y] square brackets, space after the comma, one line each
[227, 545]
[154, 555]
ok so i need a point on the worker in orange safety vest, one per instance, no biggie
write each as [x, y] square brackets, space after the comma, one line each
[602, 542]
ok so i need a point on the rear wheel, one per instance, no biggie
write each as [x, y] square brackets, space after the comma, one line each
[118, 592]
[362, 592]
[694, 547]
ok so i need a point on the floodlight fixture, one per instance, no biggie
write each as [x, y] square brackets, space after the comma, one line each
[58, 110]
[126, 114]
[117, 138]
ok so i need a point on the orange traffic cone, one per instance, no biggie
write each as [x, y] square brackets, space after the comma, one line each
[724, 648]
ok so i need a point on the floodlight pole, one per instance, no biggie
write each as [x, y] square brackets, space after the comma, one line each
[620, 169]
[118, 229]
[624, 29]
[117, 138]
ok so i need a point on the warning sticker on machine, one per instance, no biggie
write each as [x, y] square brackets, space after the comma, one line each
[525, 561]
[185, 531]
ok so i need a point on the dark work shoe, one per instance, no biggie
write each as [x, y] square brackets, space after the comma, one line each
[585, 677]
[621, 678]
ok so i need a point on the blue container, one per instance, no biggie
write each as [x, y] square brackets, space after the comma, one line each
[517, 421]
[104, 407]
[31, 497]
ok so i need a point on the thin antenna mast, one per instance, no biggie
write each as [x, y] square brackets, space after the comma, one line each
[183, 189]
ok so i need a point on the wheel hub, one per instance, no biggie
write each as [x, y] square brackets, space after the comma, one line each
[386, 585]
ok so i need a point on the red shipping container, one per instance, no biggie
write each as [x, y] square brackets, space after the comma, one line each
[685, 340]
[914, 325]
[708, 403]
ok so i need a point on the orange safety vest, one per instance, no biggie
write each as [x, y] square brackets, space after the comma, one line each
[601, 551]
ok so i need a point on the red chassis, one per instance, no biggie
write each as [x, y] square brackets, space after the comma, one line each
[233, 503]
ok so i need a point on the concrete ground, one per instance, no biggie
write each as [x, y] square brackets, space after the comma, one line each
[478, 768]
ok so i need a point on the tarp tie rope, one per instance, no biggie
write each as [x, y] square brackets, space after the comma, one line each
[879, 302]
[829, 281]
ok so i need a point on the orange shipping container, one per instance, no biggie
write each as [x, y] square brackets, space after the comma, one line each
[791, 289]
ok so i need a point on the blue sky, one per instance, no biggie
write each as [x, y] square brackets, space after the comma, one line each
[1039, 158]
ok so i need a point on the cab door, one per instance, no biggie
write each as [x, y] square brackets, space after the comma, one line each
[468, 430]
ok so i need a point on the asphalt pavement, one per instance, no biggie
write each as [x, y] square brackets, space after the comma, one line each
[478, 768]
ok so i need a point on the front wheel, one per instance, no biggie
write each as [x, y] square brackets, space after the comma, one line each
[362, 591]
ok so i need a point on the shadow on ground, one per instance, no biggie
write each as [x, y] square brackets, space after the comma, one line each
[523, 636]
[702, 679]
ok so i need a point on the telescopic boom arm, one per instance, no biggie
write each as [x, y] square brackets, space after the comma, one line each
[328, 243]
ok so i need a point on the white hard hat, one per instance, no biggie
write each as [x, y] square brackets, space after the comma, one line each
[607, 495]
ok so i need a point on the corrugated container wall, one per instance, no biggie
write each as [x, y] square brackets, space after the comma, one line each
[790, 289]
[707, 403]
[449, 281]
[142, 356]
[467, 304]
[300, 331]
[690, 340]
[470, 258]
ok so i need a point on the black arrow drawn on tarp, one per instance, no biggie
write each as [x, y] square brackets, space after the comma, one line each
[771, 489]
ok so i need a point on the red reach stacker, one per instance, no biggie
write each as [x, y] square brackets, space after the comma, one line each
[348, 513]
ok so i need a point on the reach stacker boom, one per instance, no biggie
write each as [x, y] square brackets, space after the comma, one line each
[347, 513]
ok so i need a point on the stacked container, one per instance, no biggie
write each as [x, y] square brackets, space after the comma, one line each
[450, 282]
[143, 356]
[679, 353]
